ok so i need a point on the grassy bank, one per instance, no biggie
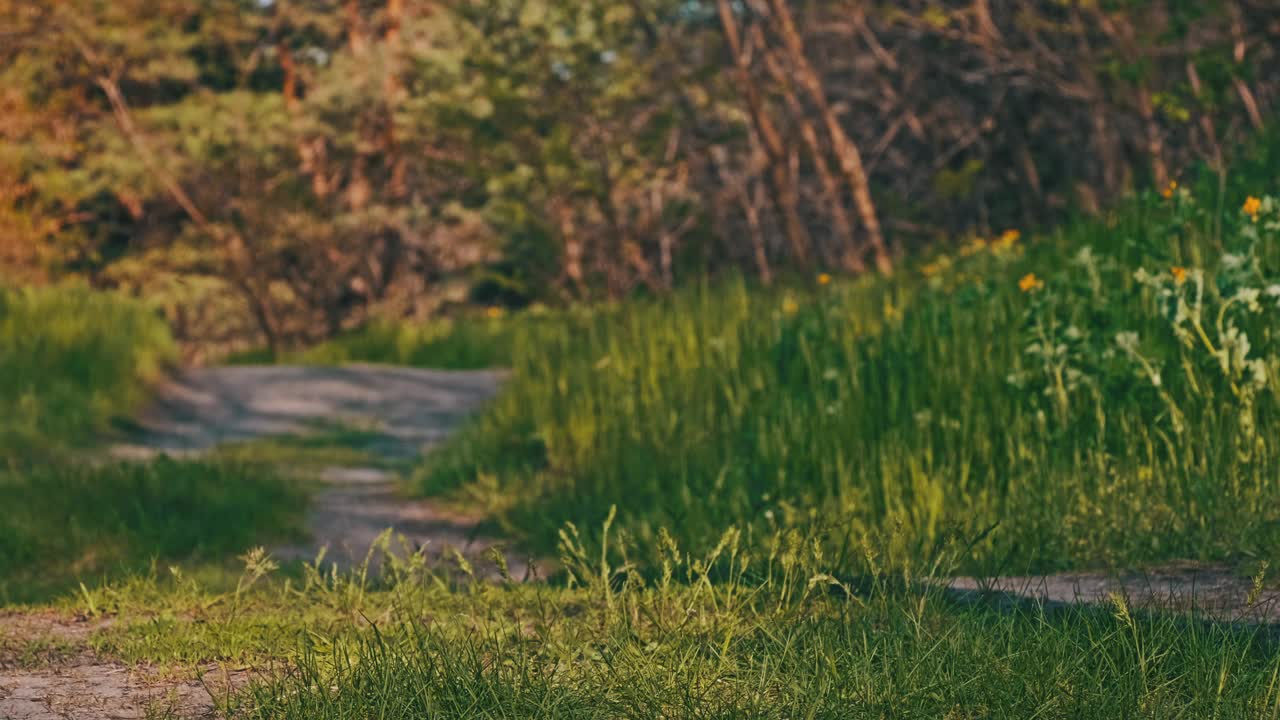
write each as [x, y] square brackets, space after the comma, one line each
[71, 360]
[481, 341]
[1106, 394]
[64, 523]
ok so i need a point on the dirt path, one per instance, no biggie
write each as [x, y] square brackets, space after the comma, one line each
[411, 411]
[1209, 592]
[62, 680]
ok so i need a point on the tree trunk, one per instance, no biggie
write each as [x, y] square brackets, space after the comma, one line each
[783, 193]
[845, 240]
[846, 150]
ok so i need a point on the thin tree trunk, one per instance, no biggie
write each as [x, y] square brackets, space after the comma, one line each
[395, 17]
[848, 257]
[290, 69]
[781, 181]
[846, 150]
[356, 40]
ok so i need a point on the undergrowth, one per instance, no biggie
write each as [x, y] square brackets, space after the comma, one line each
[1102, 395]
[71, 361]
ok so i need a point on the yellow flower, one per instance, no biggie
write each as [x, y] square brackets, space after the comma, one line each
[824, 279]
[1252, 206]
[790, 306]
[1007, 240]
[974, 247]
[1179, 274]
[1168, 192]
[493, 312]
[1030, 283]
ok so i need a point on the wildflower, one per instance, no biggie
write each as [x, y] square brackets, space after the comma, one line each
[1007, 240]
[973, 247]
[1030, 283]
[493, 312]
[1179, 274]
[1168, 192]
[790, 306]
[1252, 206]
[931, 269]
[824, 279]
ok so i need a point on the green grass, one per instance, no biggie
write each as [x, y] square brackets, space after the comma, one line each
[1022, 406]
[465, 343]
[71, 359]
[929, 407]
[321, 445]
[715, 634]
[63, 524]
[816, 662]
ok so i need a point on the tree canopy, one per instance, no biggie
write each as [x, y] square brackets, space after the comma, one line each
[278, 170]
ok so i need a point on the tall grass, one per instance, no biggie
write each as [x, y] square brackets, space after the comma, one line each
[450, 343]
[70, 359]
[64, 523]
[1040, 398]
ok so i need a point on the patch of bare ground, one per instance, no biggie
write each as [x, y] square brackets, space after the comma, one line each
[1209, 592]
[47, 673]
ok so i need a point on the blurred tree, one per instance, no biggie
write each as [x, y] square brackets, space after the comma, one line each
[277, 170]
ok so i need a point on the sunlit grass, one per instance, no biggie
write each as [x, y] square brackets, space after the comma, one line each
[465, 343]
[1035, 394]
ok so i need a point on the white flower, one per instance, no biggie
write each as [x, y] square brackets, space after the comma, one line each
[1249, 296]
[1231, 261]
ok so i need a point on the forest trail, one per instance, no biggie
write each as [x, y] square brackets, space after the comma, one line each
[399, 413]
[412, 409]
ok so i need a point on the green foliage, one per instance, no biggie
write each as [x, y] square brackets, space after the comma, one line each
[70, 360]
[466, 343]
[64, 523]
[1011, 388]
